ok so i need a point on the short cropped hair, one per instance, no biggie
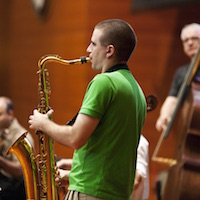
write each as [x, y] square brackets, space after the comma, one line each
[121, 35]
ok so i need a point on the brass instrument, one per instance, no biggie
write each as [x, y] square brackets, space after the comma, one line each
[40, 171]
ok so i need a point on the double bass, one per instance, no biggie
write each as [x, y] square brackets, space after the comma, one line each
[183, 182]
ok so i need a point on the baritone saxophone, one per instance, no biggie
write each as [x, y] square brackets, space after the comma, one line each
[40, 171]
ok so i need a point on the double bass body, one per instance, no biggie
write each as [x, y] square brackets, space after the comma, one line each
[184, 177]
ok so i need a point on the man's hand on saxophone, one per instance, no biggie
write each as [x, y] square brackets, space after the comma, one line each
[74, 136]
[37, 119]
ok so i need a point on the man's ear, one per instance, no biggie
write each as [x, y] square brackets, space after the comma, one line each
[110, 50]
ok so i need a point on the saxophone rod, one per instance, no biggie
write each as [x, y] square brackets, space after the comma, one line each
[58, 59]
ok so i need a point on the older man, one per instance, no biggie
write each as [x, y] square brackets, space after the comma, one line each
[11, 177]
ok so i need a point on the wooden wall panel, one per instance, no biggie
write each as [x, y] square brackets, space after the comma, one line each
[66, 31]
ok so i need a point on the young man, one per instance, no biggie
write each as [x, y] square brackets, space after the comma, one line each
[107, 129]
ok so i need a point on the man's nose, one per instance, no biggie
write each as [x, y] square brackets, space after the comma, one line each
[89, 48]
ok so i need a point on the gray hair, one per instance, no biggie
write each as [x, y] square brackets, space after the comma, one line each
[195, 26]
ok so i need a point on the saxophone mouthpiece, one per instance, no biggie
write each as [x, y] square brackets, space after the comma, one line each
[84, 59]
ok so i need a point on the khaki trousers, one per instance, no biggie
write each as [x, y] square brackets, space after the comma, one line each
[74, 195]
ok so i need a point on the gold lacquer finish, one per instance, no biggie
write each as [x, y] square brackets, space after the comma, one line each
[40, 171]
[25, 154]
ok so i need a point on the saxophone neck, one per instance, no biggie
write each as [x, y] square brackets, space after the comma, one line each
[58, 59]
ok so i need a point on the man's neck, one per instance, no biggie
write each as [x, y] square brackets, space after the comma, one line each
[110, 65]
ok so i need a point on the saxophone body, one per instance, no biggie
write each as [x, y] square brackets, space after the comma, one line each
[40, 171]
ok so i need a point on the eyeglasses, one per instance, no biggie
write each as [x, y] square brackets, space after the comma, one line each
[193, 39]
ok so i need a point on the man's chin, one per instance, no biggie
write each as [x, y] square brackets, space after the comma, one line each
[192, 54]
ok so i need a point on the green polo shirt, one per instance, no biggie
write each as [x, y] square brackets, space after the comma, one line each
[105, 166]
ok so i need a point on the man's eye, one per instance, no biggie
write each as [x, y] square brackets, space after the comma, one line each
[191, 38]
[94, 44]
